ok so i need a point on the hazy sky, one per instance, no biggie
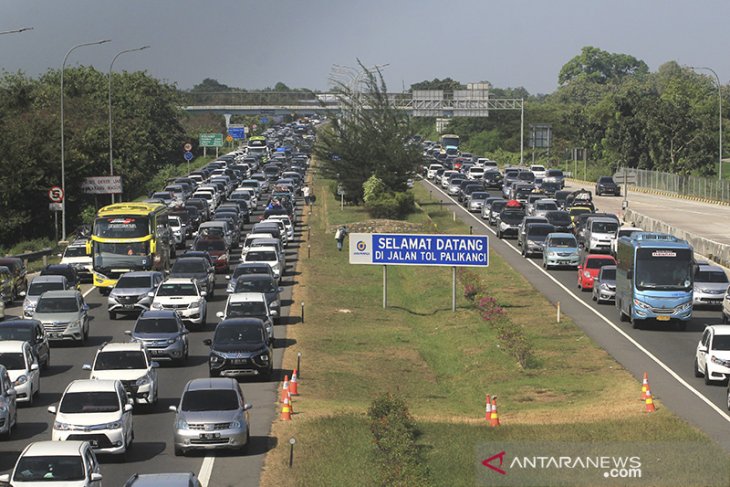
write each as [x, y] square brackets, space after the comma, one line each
[254, 44]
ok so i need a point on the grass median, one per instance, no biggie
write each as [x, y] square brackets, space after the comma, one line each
[441, 362]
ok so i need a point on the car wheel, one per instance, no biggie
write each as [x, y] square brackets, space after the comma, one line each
[179, 452]
[697, 368]
[112, 315]
[724, 318]
[31, 397]
[47, 363]
[244, 448]
[6, 436]
[708, 381]
[635, 324]
[593, 297]
[86, 332]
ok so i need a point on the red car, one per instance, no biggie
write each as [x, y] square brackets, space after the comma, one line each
[590, 268]
[216, 247]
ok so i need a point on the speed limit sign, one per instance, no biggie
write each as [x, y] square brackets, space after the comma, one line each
[188, 147]
[55, 194]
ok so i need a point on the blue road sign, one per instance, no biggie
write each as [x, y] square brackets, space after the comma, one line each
[188, 156]
[264, 120]
[411, 249]
[237, 132]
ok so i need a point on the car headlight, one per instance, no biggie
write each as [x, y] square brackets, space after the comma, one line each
[101, 276]
[237, 422]
[586, 274]
[181, 424]
[114, 425]
[719, 361]
[170, 341]
[531, 243]
[3, 406]
[142, 381]
[604, 286]
[21, 380]
[264, 357]
[74, 324]
[641, 304]
[216, 359]
[552, 254]
[275, 304]
[156, 306]
[57, 425]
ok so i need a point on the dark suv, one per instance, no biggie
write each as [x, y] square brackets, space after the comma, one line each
[66, 270]
[240, 347]
[606, 185]
[17, 270]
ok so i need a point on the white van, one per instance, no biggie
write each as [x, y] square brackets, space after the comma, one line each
[432, 170]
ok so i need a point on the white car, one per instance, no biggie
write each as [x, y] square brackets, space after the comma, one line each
[184, 296]
[22, 366]
[623, 232]
[538, 170]
[179, 230]
[131, 364]
[96, 411]
[60, 464]
[288, 225]
[250, 238]
[475, 172]
[250, 305]
[712, 359]
[265, 254]
[76, 256]
[432, 170]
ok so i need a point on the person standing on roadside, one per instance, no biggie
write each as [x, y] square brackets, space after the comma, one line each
[340, 235]
[305, 193]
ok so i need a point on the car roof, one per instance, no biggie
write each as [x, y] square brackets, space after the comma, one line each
[266, 248]
[561, 235]
[43, 448]
[140, 274]
[161, 480]
[157, 313]
[91, 385]
[10, 346]
[67, 293]
[49, 278]
[179, 280]
[28, 322]
[599, 257]
[720, 329]
[211, 383]
[247, 297]
[56, 267]
[122, 347]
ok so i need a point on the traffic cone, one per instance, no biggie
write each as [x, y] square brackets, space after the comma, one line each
[494, 416]
[650, 408]
[488, 414]
[293, 384]
[290, 401]
[286, 410]
[284, 389]
[644, 386]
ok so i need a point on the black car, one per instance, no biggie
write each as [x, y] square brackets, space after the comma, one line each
[493, 179]
[606, 185]
[561, 220]
[17, 270]
[494, 209]
[508, 221]
[198, 268]
[66, 270]
[550, 188]
[260, 283]
[240, 347]
[30, 331]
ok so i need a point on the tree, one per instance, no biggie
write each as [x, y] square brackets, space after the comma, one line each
[371, 137]
[601, 67]
[446, 84]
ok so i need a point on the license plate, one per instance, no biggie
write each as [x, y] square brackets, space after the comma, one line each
[155, 352]
[209, 436]
[239, 361]
[563, 262]
[662, 318]
[128, 307]
[56, 335]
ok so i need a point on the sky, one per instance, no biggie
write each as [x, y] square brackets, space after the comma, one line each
[255, 44]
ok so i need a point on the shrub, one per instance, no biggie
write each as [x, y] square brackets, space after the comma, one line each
[394, 206]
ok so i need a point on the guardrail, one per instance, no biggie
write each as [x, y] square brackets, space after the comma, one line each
[38, 254]
[705, 188]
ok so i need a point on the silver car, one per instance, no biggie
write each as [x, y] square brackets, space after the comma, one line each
[211, 415]
[711, 282]
[560, 249]
[604, 286]
[64, 315]
[131, 293]
[38, 286]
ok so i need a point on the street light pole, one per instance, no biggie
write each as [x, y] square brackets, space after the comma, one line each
[16, 31]
[719, 100]
[111, 159]
[63, 167]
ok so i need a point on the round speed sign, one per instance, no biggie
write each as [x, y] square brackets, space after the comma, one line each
[188, 147]
[55, 194]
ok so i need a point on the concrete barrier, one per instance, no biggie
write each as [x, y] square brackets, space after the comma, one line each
[715, 251]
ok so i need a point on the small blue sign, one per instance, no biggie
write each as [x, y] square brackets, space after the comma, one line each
[412, 249]
[237, 132]
[264, 120]
[188, 156]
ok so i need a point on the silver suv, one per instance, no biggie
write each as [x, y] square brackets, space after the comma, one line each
[211, 415]
[64, 315]
[131, 293]
[38, 286]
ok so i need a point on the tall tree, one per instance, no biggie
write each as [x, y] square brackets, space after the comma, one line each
[600, 67]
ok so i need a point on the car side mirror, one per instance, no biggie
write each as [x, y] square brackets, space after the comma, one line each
[580, 267]
[247, 406]
[274, 313]
[172, 408]
[34, 366]
[702, 349]
[85, 307]
[208, 342]
[203, 293]
[22, 294]
[280, 289]
[128, 332]
[228, 278]
[86, 367]
[96, 477]
[52, 409]
[5, 478]
[219, 314]
[150, 295]
[128, 407]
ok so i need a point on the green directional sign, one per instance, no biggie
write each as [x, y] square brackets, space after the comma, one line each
[210, 140]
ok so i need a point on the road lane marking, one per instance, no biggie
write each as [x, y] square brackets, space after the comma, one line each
[206, 470]
[88, 292]
[628, 337]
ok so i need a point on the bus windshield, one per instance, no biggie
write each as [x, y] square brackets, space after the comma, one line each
[122, 227]
[126, 255]
[664, 269]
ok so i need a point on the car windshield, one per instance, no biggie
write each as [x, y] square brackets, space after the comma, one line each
[260, 256]
[608, 274]
[210, 400]
[156, 325]
[57, 305]
[512, 217]
[189, 266]
[242, 310]
[75, 252]
[230, 335]
[598, 263]
[539, 230]
[604, 227]
[210, 245]
[90, 402]
[721, 342]
[546, 206]
[605, 180]
[12, 360]
[579, 211]
[22, 333]
[711, 276]
[251, 269]
[558, 218]
[177, 290]
[498, 205]
[564, 242]
[38, 288]
[134, 282]
[120, 360]
[49, 469]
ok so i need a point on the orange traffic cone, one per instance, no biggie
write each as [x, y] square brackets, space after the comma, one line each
[284, 389]
[644, 386]
[291, 402]
[494, 416]
[286, 410]
[293, 384]
[650, 408]
[488, 414]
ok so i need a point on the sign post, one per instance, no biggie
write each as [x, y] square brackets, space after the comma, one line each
[55, 194]
[419, 249]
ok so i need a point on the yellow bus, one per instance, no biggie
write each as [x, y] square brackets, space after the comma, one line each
[129, 237]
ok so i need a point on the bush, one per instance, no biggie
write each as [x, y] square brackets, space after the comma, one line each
[394, 206]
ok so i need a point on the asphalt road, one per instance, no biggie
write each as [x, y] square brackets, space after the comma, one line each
[667, 355]
[152, 451]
